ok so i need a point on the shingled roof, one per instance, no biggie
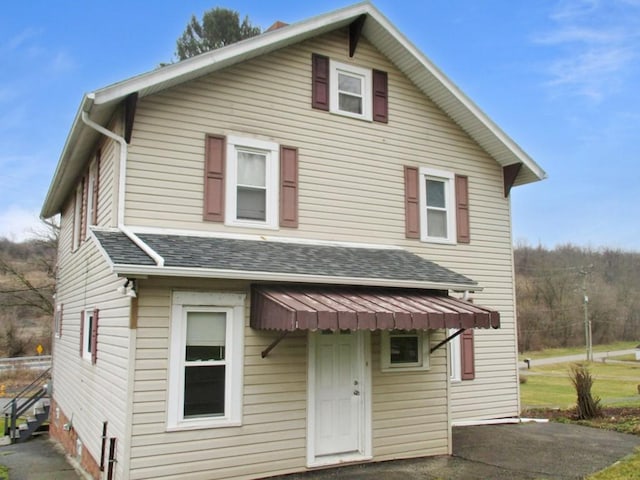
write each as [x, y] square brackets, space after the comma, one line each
[258, 259]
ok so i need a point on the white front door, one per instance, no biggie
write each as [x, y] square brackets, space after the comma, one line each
[338, 406]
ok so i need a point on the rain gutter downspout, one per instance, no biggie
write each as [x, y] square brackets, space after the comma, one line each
[121, 186]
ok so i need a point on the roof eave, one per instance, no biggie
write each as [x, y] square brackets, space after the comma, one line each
[127, 269]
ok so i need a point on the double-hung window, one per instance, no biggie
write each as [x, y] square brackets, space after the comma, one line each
[88, 336]
[252, 182]
[404, 350]
[205, 378]
[437, 206]
[350, 90]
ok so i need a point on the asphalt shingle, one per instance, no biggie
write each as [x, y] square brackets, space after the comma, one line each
[279, 257]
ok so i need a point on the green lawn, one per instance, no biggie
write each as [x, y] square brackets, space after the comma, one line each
[559, 352]
[626, 469]
[550, 386]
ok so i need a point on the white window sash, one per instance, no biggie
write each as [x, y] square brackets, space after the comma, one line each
[365, 77]
[385, 352]
[233, 306]
[271, 150]
[450, 205]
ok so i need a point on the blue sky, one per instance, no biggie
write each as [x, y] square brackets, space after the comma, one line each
[559, 76]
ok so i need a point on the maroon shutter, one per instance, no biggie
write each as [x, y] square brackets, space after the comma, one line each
[462, 209]
[411, 209]
[81, 333]
[320, 82]
[380, 94]
[467, 357]
[214, 178]
[289, 187]
[94, 336]
[96, 184]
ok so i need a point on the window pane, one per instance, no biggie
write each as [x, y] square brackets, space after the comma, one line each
[204, 391]
[435, 193]
[206, 332]
[349, 103]
[347, 83]
[251, 204]
[87, 331]
[251, 168]
[404, 349]
[437, 223]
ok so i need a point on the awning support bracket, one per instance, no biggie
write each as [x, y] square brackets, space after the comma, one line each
[273, 344]
[447, 340]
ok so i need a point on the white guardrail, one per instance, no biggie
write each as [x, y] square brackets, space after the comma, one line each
[41, 362]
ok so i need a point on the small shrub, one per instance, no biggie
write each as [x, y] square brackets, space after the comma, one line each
[587, 406]
[523, 379]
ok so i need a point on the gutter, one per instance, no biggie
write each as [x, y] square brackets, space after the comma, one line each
[122, 185]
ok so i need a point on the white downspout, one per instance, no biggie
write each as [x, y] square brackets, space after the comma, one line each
[121, 188]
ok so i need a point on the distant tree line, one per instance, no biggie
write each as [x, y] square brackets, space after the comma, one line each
[551, 286]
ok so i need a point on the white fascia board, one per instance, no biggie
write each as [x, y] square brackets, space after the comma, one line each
[223, 57]
[458, 95]
[285, 277]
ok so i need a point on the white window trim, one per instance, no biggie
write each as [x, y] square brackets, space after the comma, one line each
[450, 197]
[385, 353]
[455, 365]
[77, 217]
[233, 305]
[272, 168]
[57, 319]
[91, 178]
[366, 76]
[86, 332]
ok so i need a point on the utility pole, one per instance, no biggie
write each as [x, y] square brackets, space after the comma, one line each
[587, 322]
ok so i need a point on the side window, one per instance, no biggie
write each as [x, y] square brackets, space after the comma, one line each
[252, 183]
[57, 321]
[206, 360]
[77, 215]
[89, 335]
[404, 350]
[454, 357]
[461, 356]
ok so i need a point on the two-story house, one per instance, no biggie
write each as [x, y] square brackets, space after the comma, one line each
[291, 252]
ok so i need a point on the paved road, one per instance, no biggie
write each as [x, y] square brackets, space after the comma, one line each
[576, 358]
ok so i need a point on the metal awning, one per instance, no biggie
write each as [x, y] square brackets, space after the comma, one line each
[288, 308]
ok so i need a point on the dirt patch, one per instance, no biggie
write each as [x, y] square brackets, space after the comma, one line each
[619, 419]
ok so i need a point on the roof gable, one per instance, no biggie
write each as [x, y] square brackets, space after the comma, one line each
[102, 103]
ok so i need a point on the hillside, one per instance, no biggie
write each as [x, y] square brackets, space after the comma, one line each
[551, 286]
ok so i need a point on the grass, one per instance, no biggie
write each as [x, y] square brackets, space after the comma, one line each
[626, 469]
[560, 352]
[4, 473]
[549, 386]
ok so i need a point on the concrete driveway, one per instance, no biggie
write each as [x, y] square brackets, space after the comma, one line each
[531, 451]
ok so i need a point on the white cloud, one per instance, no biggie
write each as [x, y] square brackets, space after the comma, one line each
[595, 46]
[19, 224]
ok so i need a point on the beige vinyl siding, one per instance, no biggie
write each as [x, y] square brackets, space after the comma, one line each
[409, 410]
[350, 179]
[91, 394]
[272, 438]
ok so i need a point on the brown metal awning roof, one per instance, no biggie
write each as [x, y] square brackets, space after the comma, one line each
[289, 308]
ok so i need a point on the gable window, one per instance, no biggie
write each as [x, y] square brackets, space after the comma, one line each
[205, 378]
[252, 182]
[404, 350]
[350, 90]
[437, 206]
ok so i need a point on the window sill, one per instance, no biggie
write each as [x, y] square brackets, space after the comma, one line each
[405, 369]
[202, 425]
[249, 224]
[355, 116]
[440, 241]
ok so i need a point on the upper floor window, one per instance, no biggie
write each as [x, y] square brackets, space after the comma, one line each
[77, 215]
[252, 182]
[350, 90]
[437, 206]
